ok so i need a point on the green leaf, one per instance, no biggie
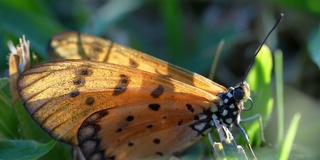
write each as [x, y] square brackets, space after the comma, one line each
[314, 47]
[195, 152]
[8, 121]
[259, 79]
[24, 149]
[29, 128]
[260, 73]
[308, 6]
[3, 82]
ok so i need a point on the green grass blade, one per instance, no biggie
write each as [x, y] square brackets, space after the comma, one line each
[279, 94]
[172, 23]
[109, 14]
[288, 141]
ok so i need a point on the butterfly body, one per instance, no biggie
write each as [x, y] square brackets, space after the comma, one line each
[139, 108]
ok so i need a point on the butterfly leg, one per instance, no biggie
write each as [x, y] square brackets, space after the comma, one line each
[228, 147]
[254, 117]
[243, 132]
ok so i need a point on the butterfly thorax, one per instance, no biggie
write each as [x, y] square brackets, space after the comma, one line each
[231, 104]
[227, 110]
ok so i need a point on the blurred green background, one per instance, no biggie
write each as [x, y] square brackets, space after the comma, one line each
[186, 33]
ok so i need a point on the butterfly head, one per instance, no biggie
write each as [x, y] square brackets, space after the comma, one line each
[236, 96]
[241, 93]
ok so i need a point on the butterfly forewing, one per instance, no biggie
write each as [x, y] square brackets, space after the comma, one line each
[106, 107]
[72, 45]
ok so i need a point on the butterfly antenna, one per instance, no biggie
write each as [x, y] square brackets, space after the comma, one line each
[263, 42]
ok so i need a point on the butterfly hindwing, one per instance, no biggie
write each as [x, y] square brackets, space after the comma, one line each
[162, 129]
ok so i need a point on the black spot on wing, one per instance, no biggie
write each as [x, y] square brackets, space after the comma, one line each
[74, 93]
[157, 92]
[79, 81]
[118, 90]
[84, 72]
[133, 63]
[124, 80]
[122, 85]
[154, 106]
[156, 141]
[130, 118]
[89, 101]
[190, 108]
[130, 144]
[119, 130]
[159, 153]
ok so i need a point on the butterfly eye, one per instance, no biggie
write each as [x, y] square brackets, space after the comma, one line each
[238, 94]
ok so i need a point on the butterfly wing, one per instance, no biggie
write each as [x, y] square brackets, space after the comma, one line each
[110, 110]
[72, 45]
[139, 134]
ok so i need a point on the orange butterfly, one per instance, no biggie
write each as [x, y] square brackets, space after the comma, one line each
[133, 107]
